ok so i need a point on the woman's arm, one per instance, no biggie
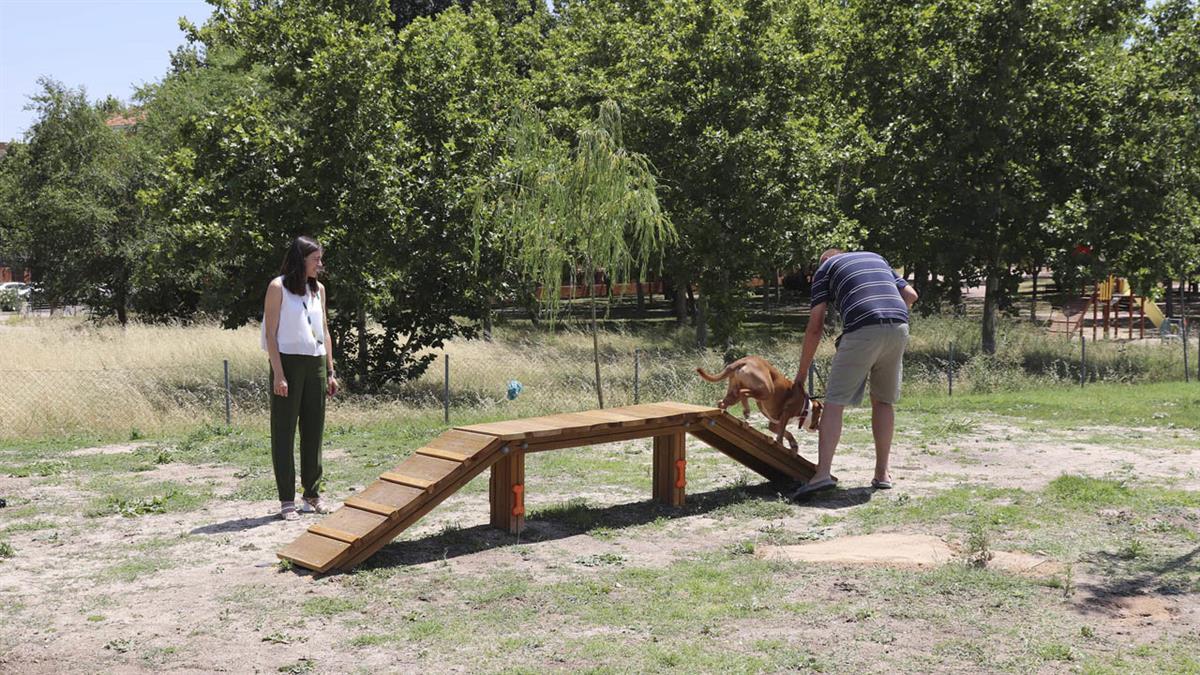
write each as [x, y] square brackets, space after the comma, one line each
[271, 325]
[333, 383]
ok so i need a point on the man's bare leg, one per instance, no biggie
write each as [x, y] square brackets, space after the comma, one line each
[883, 426]
[830, 433]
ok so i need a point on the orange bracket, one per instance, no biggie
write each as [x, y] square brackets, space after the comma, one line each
[518, 500]
[680, 473]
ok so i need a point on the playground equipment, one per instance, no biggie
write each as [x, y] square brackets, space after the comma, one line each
[1105, 305]
[375, 516]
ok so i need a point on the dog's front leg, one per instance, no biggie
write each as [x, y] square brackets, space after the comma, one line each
[779, 429]
[792, 442]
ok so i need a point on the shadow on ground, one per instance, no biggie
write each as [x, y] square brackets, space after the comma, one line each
[576, 518]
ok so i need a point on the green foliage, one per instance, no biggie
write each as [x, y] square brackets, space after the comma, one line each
[585, 208]
[74, 220]
[965, 141]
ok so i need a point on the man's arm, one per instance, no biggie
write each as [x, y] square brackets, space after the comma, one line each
[812, 340]
[909, 295]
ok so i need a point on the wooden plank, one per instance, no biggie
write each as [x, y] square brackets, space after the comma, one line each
[764, 446]
[403, 479]
[656, 412]
[615, 415]
[764, 451]
[736, 453]
[603, 418]
[392, 496]
[683, 407]
[348, 524]
[648, 411]
[573, 423]
[459, 440]
[392, 506]
[513, 429]
[368, 505]
[604, 435]
[395, 526]
[429, 469]
[313, 551]
[449, 455]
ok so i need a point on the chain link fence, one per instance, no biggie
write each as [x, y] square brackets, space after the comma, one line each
[477, 380]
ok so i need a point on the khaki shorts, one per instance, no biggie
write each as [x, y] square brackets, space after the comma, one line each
[874, 352]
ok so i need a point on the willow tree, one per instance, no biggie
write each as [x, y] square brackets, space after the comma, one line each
[554, 208]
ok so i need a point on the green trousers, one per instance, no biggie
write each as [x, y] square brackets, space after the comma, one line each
[305, 403]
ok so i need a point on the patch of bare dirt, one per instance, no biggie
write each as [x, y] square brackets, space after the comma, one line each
[115, 449]
[895, 549]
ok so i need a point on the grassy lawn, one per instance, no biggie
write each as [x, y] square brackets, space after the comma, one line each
[604, 581]
[152, 526]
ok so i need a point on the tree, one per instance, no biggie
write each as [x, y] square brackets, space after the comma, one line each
[987, 115]
[731, 101]
[1140, 207]
[78, 224]
[589, 207]
[363, 137]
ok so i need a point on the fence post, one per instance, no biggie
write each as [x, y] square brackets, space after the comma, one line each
[228, 415]
[637, 376]
[1082, 359]
[446, 392]
[1187, 374]
[950, 372]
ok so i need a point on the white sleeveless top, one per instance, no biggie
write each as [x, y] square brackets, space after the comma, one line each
[301, 324]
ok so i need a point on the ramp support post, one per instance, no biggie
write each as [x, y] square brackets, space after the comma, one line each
[507, 491]
[670, 469]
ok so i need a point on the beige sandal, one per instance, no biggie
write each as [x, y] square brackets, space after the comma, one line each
[287, 511]
[314, 505]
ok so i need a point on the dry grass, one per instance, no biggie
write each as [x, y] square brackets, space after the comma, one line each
[68, 376]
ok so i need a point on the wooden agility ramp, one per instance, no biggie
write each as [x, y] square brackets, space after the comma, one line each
[374, 517]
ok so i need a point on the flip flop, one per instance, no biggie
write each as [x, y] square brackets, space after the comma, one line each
[881, 484]
[812, 487]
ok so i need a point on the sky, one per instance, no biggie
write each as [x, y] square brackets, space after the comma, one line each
[109, 47]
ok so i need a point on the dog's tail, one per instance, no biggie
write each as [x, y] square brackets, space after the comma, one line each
[723, 375]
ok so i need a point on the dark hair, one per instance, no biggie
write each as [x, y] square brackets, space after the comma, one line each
[293, 265]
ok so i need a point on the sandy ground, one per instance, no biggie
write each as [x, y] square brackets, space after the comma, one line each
[74, 606]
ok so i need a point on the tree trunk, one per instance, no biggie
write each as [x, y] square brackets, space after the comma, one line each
[766, 291]
[596, 349]
[679, 303]
[691, 304]
[701, 321]
[1170, 300]
[1183, 298]
[641, 297]
[1033, 301]
[360, 325]
[488, 314]
[991, 293]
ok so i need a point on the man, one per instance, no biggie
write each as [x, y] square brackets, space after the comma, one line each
[874, 304]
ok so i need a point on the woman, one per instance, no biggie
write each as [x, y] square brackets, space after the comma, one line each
[294, 335]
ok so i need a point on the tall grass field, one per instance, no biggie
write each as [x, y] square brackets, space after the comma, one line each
[69, 376]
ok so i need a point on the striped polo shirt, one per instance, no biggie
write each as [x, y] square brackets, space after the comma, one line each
[863, 287]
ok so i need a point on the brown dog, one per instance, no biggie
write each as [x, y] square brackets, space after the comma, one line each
[754, 377]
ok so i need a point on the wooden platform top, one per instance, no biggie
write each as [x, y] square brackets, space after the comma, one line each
[608, 418]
